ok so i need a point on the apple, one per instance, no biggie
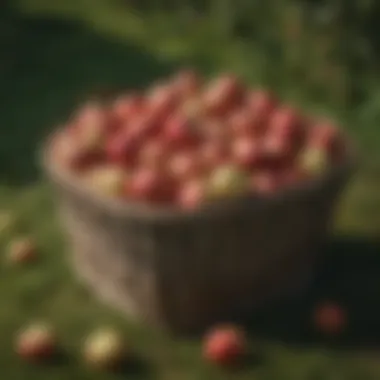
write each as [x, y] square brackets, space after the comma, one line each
[191, 194]
[187, 84]
[161, 102]
[293, 175]
[104, 348]
[68, 152]
[222, 95]
[185, 165]
[149, 185]
[287, 123]
[127, 107]
[192, 108]
[179, 132]
[121, 148]
[247, 153]
[261, 105]
[90, 127]
[264, 182]
[330, 318]
[213, 153]
[326, 136]
[106, 179]
[36, 342]
[213, 129]
[22, 250]
[314, 161]
[153, 154]
[226, 181]
[225, 346]
[277, 149]
[241, 123]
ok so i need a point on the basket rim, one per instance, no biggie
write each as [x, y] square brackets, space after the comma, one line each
[121, 208]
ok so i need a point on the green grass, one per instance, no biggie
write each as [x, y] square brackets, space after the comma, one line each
[43, 76]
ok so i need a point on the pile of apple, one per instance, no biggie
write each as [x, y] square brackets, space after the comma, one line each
[184, 142]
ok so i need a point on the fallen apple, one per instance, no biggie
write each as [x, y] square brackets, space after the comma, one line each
[225, 346]
[330, 318]
[22, 250]
[105, 349]
[36, 342]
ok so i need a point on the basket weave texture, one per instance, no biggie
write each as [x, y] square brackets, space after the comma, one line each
[183, 271]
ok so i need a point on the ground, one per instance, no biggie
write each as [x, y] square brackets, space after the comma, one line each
[42, 77]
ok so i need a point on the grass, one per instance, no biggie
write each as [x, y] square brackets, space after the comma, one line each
[42, 77]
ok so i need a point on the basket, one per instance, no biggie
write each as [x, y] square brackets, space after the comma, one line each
[183, 271]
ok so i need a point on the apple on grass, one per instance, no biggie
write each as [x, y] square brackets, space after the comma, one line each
[36, 343]
[330, 318]
[105, 348]
[225, 346]
[21, 251]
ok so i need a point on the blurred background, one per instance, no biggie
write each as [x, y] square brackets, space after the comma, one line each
[322, 55]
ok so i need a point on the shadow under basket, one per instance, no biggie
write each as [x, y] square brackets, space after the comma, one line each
[183, 271]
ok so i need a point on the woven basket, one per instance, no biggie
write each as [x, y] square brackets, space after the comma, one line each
[183, 271]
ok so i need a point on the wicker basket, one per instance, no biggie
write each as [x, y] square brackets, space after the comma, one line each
[184, 271]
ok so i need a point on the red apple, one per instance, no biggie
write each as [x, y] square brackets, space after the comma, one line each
[187, 84]
[151, 186]
[179, 132]
[264, 182]
[91, 127]
[37, 342]
[277, 150]
[225, 346]
[213, 153]
[68, 152]
[287, 123]
[330, 318]
[185, 165]
[121, 148]
[153, 154]
[191, 194]
[241, 123]
[247, 153]
[127, 107]
[222, 95]
[214, 130]
[261, 105]
[326, 136]
[105, 349]
[162, 101]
